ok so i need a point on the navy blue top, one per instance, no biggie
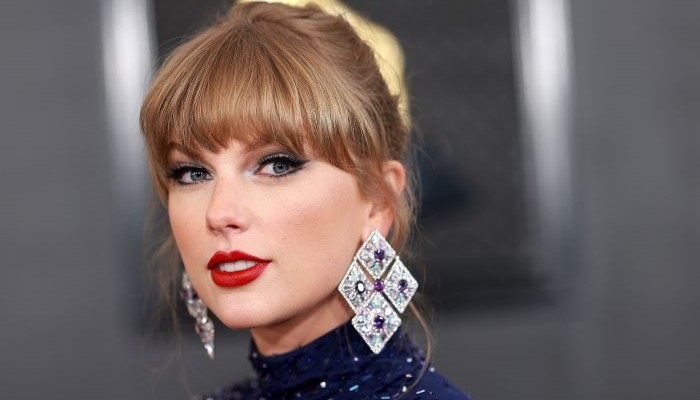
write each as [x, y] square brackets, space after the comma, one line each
[340, 366]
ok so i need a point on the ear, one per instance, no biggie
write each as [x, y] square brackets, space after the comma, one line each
[382, 211]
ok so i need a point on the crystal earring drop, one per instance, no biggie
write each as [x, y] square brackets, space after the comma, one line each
[198, 310]
[374, 294]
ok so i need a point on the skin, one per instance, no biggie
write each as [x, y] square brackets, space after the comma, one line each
[309, 220]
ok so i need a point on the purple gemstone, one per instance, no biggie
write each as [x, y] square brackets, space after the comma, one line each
[188, 295]
[379, 254]
[379, 322]
[378, 285]
[403, 285]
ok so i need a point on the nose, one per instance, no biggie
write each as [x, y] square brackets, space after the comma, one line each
[227, 210]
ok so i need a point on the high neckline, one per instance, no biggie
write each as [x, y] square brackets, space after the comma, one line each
[331, 359]
[340, 366]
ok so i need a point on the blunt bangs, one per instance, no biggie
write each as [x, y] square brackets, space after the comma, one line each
[256, 83]
[294, 76]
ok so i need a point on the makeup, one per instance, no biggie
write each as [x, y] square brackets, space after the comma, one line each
[235, 268]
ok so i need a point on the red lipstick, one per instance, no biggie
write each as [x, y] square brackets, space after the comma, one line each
[235, 278]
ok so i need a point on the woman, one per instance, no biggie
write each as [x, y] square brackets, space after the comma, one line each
[280, 155]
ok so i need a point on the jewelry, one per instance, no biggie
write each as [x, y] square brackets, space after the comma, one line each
[375, 319]
[198, 310]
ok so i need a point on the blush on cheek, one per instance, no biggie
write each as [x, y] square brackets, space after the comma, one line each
[329, 220]
[183, 218]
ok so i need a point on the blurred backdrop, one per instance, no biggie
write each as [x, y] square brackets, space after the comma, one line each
[560, 220]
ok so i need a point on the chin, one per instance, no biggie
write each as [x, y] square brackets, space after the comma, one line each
[241, 317]
[256, 314]
[246, 313]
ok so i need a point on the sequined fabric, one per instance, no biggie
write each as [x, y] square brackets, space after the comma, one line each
[340, 366]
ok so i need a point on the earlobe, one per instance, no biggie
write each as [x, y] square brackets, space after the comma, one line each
[383, 209]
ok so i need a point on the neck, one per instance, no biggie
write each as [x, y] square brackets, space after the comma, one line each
[303, 328]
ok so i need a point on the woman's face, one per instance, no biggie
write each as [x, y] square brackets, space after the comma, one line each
[284, 226]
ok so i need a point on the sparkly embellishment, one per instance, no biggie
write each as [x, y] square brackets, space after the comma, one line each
[379, 255]
[351, 284]
[375, 319]
[198, 310]
[378, 285]
[188, 294]
[376, 322]
[379, 322]
[205, 330]
[327, 369]
[375, 254]
[400, 285]
[403, 284]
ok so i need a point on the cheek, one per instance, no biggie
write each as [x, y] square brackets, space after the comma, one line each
[323, 227]
[182, 214]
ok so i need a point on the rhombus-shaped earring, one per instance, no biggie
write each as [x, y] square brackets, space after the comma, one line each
[374, 294]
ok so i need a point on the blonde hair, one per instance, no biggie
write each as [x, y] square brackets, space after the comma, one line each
[295, 76]
[270, 73]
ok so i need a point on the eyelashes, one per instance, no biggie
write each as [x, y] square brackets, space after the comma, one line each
[275, 166]
[188, 174]
[279, 165]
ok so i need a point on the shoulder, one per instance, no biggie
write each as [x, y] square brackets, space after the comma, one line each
[435, 386]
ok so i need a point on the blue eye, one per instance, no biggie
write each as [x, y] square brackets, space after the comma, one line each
[188, 174]
[279, 165]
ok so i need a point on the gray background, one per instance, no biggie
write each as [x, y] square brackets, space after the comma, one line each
[627, 330]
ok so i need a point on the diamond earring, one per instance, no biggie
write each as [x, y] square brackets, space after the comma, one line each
[198, 310]
[375, 318]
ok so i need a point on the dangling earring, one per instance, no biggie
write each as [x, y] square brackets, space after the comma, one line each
[198, 310]
[375, 319]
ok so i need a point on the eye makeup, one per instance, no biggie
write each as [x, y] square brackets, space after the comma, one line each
[279, 165]
[275, 165]
[194, 173]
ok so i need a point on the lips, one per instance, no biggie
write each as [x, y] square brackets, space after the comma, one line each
[235, 268]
